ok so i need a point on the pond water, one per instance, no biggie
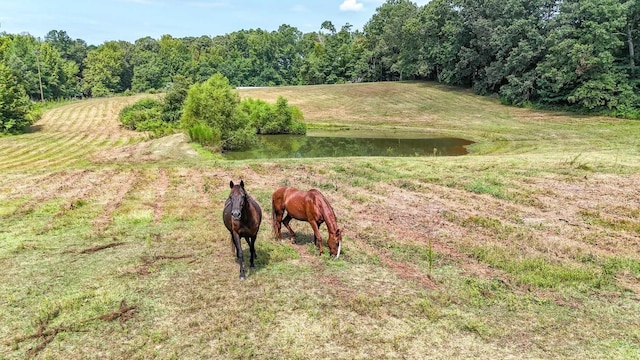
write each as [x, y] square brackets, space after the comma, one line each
[350, 143]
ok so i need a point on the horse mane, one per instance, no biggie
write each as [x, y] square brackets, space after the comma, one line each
[327, 211]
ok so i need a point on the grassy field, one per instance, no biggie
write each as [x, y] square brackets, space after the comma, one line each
[112, 245]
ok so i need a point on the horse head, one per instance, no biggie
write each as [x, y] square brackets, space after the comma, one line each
[238, 198]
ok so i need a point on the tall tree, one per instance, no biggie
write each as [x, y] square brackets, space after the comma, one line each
[288, 53]
[519, 45]
[14, 102]
[386, 37]
[104, 68]
[69, 49]
[438, 29]
[60, 77]
[580, 67]
[632, 32]
[147, 68]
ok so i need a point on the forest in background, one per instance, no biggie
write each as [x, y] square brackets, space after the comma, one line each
[554, 53]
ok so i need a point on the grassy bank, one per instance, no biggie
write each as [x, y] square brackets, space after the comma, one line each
[113, 246]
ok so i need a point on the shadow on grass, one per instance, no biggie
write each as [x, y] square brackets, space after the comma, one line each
[33, 129]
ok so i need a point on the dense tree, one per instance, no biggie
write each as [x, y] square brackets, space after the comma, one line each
[580, 65]
[436, 33]
[174, 56]
[104, 70]
[288, 53]
[148, 71]
[14, 103]
[386, 38]
[21, 55]
[33, 62]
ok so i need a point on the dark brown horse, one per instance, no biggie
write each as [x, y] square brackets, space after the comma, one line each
[242, 216]
[310, 206]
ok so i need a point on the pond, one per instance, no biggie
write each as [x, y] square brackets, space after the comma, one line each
[350, 143]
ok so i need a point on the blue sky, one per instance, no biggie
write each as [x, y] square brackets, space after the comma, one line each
[97, 21]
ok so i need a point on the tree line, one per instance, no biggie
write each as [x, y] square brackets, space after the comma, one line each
[580, 54]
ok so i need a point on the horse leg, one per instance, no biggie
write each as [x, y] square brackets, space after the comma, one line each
[239, 257]
[316, 235]
[252, 241]
[278, 221]
[286, 223]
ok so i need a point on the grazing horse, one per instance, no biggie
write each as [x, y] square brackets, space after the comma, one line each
[310, 206]
[242, 216]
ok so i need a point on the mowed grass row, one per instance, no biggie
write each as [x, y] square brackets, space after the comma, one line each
[66, 135]
[515, 251]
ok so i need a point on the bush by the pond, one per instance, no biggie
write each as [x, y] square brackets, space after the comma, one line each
[204, 134]
[214, 103]
[278, 118]
[241, 139]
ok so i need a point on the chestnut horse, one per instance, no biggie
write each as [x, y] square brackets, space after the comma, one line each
[242, 216]
[310, 206]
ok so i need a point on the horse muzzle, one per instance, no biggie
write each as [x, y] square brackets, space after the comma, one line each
[339, 247]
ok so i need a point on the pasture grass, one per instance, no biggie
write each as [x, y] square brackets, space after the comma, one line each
[526, 248]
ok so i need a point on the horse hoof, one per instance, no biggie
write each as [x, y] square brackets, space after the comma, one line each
[242, 278]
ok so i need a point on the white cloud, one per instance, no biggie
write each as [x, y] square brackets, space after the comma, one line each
[299, 8]
[351, 5]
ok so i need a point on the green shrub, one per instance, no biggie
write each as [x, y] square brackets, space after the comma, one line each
[274, 119]
[204, 134]
[173, 101]
[259, 112]
[142, 115]
[215, 103]
[241, 139]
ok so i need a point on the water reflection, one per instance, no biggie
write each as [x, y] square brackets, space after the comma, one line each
[300, 146]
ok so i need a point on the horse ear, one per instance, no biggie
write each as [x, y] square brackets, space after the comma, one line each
[231, 184]
[242, 184]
